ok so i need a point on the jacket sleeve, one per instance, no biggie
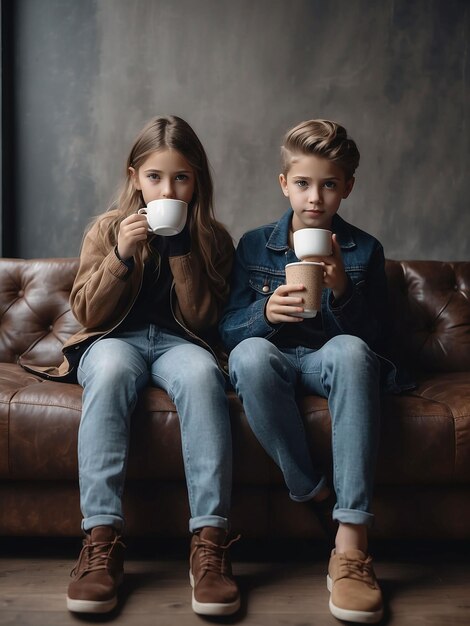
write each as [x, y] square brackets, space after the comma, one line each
[364, 312]
[199, 307]
[101, 293]
[244, 314]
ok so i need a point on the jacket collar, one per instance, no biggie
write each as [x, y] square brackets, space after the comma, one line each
[279, 238]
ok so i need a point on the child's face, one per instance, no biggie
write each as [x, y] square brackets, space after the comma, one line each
[164, 174]
[315, 187]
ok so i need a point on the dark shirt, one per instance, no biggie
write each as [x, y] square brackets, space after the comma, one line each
[153, 302]
[308, 333]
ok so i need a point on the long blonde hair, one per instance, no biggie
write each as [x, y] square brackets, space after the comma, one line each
[207, 234]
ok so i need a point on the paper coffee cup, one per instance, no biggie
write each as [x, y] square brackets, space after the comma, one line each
[312, 242]
[166, 216]
[310, 275]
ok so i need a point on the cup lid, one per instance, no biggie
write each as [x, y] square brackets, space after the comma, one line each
[304, 263]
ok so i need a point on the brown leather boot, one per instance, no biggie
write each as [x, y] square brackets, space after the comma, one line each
[97, 573]
[215, 592]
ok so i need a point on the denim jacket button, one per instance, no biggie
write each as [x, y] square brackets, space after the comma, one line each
[265, 288]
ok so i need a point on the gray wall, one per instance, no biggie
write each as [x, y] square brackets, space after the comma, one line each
[89, 73]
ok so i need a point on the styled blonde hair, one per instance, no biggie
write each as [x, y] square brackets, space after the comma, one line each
[171, 132]
[323, 138]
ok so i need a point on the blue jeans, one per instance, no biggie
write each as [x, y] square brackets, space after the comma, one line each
[346, 372]
[112, 372]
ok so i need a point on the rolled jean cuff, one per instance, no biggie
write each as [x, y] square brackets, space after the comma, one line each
[311, 494]
[195, 523]
[352, 516]
[103, 520]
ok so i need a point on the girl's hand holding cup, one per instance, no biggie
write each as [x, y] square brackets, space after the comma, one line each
[132, 230]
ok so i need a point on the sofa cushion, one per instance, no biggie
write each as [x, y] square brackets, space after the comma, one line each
[423, 440]
[12, 379]
[417, 440]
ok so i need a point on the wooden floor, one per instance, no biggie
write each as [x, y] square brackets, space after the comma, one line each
[282, 584]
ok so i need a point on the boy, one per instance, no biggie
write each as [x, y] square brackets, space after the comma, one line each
[274, 354]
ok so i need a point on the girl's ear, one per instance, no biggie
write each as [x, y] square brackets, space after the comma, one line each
[348, 187]
[283, 183]
[135, 179]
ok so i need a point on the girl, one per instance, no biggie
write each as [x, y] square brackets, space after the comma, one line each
[149, 307]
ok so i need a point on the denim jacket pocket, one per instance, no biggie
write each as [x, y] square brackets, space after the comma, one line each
[265, 281]
[357, 276]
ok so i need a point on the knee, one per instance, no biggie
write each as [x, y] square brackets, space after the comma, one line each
[110, 373]
[246, 356]
[350, 352]
[251, 361]
[197, 369]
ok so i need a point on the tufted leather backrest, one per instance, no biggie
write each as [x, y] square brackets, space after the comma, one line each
[429, 310]
[430, 314]
[35, 316]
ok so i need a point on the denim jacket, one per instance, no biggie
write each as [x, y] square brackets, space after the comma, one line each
[258, 270]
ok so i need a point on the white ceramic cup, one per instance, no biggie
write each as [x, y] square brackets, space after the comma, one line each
[311, 276]
[312, 242]
[166, 216]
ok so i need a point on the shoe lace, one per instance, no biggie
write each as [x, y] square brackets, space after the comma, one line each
[357, 569]
[213, 557]
[95, 555]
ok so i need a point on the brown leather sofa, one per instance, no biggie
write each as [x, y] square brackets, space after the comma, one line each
[423, 474]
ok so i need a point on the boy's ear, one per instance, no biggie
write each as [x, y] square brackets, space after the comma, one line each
[349, 186]
[134, 178]
[283, 183]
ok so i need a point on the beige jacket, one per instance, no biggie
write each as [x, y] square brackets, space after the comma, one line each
[105, 290]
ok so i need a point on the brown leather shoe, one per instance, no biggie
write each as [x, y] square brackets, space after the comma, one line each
[215, 592]
[97, 573]
[355, 592]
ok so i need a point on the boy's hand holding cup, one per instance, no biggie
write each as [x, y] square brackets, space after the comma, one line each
[310, 244]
